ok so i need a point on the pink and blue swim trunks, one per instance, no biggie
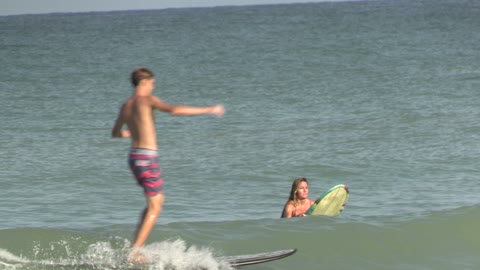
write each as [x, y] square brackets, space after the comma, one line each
[145, 166]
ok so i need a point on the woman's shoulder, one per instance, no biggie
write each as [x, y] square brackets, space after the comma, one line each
[290, 206]
[289, 209]
[290, 203]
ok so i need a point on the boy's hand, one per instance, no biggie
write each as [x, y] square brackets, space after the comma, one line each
[218, 110]
[125, 133]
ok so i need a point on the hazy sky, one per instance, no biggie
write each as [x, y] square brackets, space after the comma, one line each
[12, 7]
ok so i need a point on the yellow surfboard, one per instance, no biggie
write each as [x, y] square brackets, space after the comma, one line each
[331, 203]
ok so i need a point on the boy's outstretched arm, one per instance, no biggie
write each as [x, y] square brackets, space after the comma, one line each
[186, 110]
[217, 110]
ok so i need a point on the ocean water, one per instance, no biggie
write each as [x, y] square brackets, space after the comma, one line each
[383, 96]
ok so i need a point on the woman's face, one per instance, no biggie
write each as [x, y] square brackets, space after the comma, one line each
[302, 190]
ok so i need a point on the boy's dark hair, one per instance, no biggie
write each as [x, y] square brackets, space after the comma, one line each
[140, 74]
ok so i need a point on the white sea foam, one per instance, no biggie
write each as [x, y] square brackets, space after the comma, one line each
[171, 255]
[9, 261]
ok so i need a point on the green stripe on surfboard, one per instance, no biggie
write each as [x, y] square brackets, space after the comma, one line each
[331, 203]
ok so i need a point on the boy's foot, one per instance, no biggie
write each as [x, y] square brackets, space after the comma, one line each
[136, 257]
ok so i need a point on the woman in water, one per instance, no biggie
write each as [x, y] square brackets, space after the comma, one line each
[298, 202]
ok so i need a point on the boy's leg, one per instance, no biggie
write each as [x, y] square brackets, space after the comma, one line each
[148, 219]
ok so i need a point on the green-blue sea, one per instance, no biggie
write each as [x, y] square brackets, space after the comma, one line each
[383, 96]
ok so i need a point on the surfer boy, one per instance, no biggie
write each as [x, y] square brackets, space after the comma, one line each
[137, 113]
[298, 202]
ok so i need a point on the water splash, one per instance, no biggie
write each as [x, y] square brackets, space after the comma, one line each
[166, 255]
[8, 261]
[176, 255]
